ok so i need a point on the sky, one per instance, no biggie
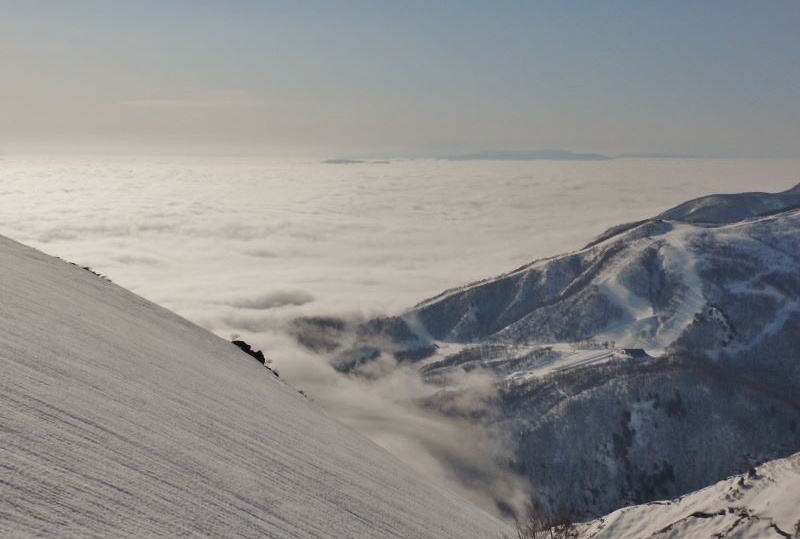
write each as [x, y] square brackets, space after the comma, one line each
[414, 77]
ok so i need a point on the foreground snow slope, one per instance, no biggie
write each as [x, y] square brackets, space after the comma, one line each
[764, 504]
[121, 419]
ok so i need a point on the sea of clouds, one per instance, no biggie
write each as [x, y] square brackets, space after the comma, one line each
[244, 245]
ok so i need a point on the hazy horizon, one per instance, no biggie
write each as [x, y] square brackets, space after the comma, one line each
[714, 79]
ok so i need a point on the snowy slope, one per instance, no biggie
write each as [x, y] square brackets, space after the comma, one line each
[121, 419]
[760, 505]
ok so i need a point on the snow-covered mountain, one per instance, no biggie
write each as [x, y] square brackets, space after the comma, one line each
[662, 357]
[650, 285]
[764, 502]
[121, 419]
[729, 208]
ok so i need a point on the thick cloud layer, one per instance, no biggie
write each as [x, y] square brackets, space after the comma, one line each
[245, 245]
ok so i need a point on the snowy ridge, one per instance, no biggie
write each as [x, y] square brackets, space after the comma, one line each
[644, 288]
[729, 208]
[676, 235]
[120, 419]
[759, 504]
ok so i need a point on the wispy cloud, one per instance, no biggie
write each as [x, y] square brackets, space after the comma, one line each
[272, 300]
[170, 104]
[206, 100]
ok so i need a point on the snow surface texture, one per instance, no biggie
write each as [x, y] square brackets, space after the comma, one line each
[120, 419]
[747, 506]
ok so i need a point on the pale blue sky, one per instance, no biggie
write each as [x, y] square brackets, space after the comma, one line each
[712, 78]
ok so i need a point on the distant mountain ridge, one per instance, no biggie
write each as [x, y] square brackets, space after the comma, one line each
[527, 155]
